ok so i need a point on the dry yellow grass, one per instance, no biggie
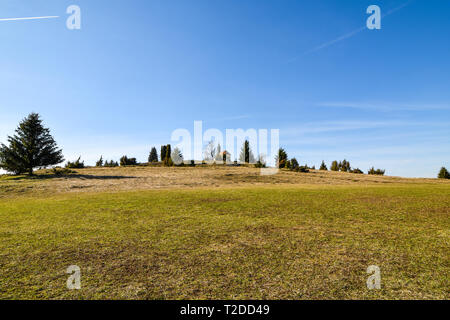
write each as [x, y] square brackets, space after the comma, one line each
[151, 178]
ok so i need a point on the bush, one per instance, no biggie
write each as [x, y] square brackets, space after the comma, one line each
[357, 171]
[260, 164]
[75, 165]
[444, 174]
[111, 164]
[125, 161]
[294, 164]
[287, 165]
[303, 169]
[379, 172]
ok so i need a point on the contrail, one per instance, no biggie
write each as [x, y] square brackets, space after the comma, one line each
[29, 18]
[350, 34]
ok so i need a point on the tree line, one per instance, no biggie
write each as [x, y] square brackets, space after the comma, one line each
[32, 146]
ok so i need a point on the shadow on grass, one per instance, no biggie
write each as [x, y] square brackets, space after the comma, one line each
[67, 176]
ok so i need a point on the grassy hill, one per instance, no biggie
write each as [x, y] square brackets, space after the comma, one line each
[223, 233]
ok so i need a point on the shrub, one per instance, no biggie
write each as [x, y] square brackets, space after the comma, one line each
[75, 165]
[379, 172]
[287, 165]
[302, 169]
[294, 164]
[125, 161]
[62, 171]
[260, 164]
[111, 164]
[357, 171]
[444, 174]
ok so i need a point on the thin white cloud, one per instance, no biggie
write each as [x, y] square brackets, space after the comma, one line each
[29, 18]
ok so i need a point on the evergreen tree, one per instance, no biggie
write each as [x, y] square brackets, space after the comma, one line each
[344, 166]
[294, 164]
[99, 163]
[177, 157]
[163, 153]
[443, 174]
[281, 158]
[246, 155]
[153, 157]
[31, 147]
[219, 155]
[323, 166]
[168, 156]
[334, 166]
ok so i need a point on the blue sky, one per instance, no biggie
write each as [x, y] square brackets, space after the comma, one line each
[138, 70]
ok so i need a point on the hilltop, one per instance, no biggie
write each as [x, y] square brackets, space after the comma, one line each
[154, 177]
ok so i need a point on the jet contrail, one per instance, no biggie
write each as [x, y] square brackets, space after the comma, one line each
[29, 18]
[348, 35]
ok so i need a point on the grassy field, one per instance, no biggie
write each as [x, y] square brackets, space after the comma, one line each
[223, 233]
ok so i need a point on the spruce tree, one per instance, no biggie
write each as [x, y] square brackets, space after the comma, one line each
[294, 164]
[323, 166]
[334, 166]
[99, 163]
[444, 174]
[31, 147]
[168, 156]
[281, 158]
[246, 155]
[163, 153]
[177, 157]
[153, 157]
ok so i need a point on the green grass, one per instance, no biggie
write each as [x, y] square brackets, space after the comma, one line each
[311, 242]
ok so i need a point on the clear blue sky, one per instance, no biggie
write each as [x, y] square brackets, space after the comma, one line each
[137, 70]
